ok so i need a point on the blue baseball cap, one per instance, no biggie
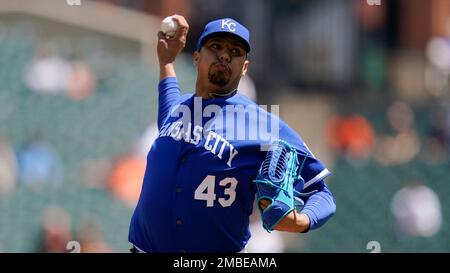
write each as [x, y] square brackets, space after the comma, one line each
[222, 26]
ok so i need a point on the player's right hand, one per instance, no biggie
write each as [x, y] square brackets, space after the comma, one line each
[169, 48]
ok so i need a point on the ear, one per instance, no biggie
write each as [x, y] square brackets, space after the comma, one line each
[245, 67]
[195, 58]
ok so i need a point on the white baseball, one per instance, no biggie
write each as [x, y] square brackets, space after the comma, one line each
[169, 26]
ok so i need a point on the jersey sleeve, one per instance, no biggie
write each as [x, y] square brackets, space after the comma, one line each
[320, 206]
[311, 169]
[169, 95]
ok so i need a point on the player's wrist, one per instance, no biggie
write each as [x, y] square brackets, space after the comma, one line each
[166, 70]
[166, 64]
[303, 222]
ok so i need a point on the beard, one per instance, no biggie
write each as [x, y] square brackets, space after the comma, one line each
[218, 76]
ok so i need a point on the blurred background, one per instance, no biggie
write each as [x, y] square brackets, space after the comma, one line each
[366, 86]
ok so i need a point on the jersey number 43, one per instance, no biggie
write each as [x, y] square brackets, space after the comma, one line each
[206, 191]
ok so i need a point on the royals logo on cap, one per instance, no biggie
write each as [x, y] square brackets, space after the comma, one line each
[226, 25]
[229, 24]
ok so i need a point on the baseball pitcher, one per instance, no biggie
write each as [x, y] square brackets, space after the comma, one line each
[218, 152]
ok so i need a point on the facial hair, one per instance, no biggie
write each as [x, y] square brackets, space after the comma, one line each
[219, 77]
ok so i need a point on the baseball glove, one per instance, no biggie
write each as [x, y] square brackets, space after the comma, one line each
[275, 181]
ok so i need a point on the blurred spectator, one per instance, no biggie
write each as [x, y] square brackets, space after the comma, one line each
[437, 143]
[352, 135]
[125, 179]
[90, 237]
[56, 230]
[8, 168]
[404, 144]
[434, 152]
[438, 66]
[93, 173]
[47, 73]
[81, 81]
[438, 53]
[39, 164]
[417, 211]
[440, 121]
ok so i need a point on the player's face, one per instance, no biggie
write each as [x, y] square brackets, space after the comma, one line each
[223, 61]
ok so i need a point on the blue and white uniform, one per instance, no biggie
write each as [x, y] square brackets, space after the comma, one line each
[197, 193]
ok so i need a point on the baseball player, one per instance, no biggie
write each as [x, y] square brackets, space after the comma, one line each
[202, 175]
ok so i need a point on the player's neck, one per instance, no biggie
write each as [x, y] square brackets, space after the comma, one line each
[212, 91]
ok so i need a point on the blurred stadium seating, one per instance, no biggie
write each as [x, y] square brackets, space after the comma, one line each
[103, 126]
[109, 122]
[363, 197]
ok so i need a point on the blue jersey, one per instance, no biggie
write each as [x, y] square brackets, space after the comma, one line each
[197, 193]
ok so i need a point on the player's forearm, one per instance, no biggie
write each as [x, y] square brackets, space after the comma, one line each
[166, 71]
[169, 93]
